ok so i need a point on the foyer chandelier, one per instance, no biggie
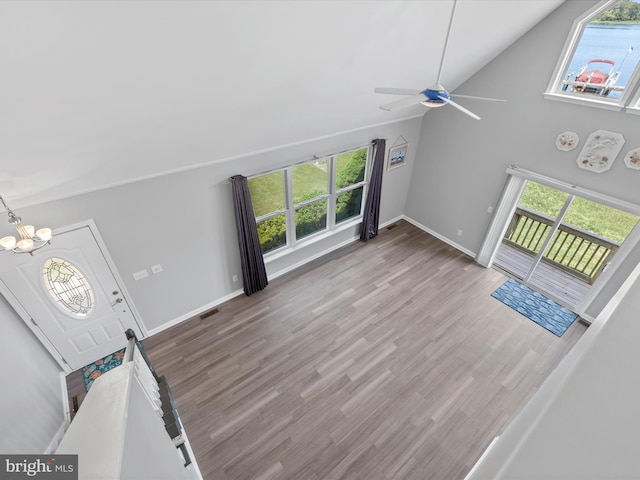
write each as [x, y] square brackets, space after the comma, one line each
[30, 240]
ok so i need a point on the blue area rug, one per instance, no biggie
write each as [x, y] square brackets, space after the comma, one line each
[535, 306]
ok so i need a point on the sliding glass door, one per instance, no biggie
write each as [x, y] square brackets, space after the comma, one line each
[560, 243]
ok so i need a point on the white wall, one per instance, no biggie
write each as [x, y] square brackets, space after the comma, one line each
[184, 221]
[460, 169]
[31, 409]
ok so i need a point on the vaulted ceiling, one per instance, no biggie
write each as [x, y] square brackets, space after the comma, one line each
[97, 93]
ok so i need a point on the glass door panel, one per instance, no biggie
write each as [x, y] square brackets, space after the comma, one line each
[537, 212]
[558, 243]
[586, 240]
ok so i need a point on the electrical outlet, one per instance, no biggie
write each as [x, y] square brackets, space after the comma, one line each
[141, 274]
[235, 278]
[460, 232]
[156, 269]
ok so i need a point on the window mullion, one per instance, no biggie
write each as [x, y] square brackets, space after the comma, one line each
[291, 218]
[331, 204]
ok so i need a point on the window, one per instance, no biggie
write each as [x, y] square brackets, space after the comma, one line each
[68, 287]
[599, 65]
[309, 198]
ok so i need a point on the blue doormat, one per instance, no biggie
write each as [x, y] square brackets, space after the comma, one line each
[535, 306]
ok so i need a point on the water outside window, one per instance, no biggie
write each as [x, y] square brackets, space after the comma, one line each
[607, 53]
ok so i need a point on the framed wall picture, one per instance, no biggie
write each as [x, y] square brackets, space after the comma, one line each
[397, 156]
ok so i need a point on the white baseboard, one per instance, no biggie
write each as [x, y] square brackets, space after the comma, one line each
[57, 438]
[440, 237]
[481, 459]
[328, 250]
[312, 258]
[587, 318]
[66, 409]
[194, 313]
[391, 222]
[66, 412]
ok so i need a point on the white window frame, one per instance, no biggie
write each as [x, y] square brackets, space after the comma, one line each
[634, 106]
[290, 207]
[554, 92]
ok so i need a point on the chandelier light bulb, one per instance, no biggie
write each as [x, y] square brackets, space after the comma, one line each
[44, 234]
[30, 229]
[26, 245]
[8, 243]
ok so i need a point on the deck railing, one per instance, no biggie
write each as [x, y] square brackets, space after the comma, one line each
[571, 249]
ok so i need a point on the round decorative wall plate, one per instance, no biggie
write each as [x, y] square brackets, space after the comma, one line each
[632, 159]
[600, 151]
[567, 141]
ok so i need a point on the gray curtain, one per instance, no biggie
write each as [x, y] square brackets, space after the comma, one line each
[371, 213]
[254, 273]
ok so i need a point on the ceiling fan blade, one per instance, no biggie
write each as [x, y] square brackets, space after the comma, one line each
[398, 91]
[404, 102]
[459, 107]
[478, 98]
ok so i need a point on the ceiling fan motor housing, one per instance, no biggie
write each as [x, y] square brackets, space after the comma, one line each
[434, 94]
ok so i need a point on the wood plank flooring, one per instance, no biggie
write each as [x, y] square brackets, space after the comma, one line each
[383, 360]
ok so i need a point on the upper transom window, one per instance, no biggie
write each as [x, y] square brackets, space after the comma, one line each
[599, 64]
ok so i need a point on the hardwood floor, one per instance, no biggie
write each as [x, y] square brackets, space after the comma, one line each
[383, 360]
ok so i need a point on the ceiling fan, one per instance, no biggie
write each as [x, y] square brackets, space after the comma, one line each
[434, 95]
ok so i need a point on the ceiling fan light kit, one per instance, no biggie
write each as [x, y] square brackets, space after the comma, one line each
[435, 95]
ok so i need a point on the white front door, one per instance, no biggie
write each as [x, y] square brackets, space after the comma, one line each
[69, 291]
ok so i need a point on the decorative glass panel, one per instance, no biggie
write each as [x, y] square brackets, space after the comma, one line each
[68, 287]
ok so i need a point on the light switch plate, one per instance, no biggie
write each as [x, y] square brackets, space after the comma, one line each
[141, 274]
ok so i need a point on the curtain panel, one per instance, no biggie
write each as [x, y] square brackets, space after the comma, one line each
[371, 213]
[254, 273]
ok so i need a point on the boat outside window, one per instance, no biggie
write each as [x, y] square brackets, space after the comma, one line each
[600, 61]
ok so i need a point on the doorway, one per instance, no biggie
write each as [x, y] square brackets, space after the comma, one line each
[70, 295]
[559, 243]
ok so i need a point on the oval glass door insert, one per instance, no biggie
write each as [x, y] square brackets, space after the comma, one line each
[68, 287]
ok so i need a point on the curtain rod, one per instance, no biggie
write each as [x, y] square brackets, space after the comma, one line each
[315, 157]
